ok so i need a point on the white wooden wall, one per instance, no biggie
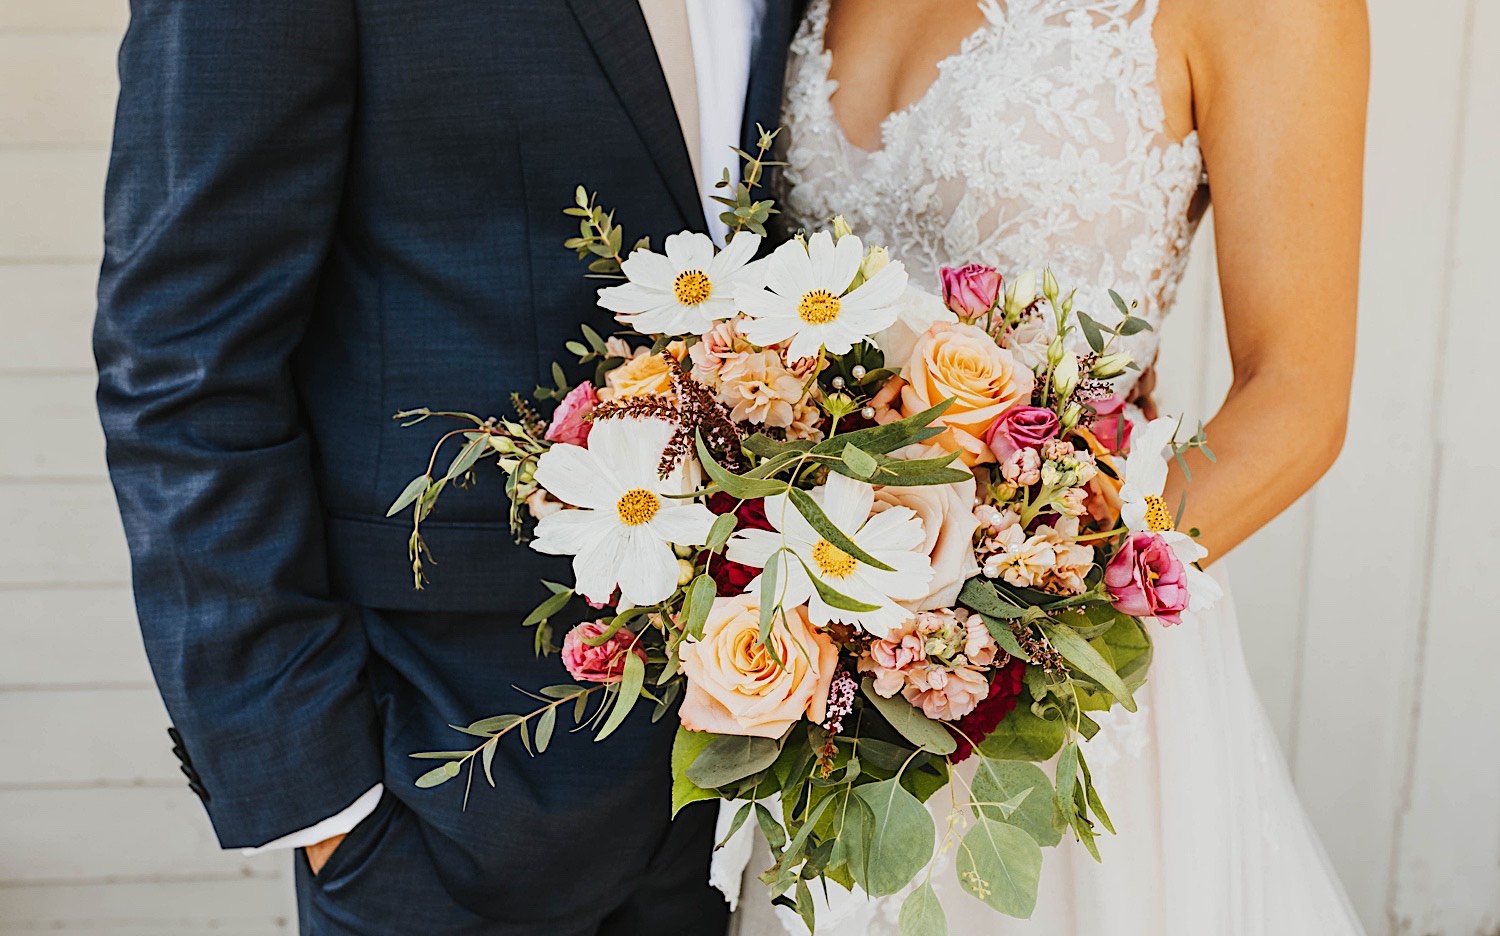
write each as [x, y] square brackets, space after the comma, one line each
[98, 834]
[1370, 611]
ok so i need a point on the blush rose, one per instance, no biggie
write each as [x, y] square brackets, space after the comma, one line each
[971, 290]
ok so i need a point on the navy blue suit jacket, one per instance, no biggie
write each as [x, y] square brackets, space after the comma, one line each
[320, 212]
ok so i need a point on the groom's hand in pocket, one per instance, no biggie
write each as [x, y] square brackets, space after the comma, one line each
[318, 855]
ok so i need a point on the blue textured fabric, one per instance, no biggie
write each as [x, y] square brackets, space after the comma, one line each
[576, 841]
[320, 212]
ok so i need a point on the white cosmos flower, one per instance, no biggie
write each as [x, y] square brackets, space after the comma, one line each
[807, 298]
[686, 290]
[622, 532]
[894, 536]
[1143, 510]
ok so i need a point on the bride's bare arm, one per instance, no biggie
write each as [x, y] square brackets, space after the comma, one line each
[1278, 92]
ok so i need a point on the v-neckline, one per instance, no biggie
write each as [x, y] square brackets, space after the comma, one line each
[882, 129]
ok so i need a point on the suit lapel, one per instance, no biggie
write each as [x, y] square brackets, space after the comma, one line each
[616, 29]
[768, 69]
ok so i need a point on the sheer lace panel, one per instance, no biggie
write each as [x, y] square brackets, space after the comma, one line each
[1041, 142]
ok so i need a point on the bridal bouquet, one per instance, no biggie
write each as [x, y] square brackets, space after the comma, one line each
[861, 533]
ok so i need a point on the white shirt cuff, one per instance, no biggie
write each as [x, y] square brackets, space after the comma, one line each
[339, 824]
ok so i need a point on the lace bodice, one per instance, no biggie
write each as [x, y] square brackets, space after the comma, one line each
[1041, 143]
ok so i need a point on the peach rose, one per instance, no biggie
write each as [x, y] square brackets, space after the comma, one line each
[734, 687]
[961, 361]
[947, 515]
[642, 374]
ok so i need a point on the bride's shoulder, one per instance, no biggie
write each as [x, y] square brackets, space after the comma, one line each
[1258, 47]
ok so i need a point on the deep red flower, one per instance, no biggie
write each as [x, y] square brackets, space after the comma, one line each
[1006, 685]
[731, 577]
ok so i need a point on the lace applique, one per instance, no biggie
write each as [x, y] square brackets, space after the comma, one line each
[1041, 142]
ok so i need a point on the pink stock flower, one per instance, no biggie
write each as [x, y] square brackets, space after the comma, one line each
[1023, 468]
[1021, 427]
[1110, 426]
[1146, 579]
[601, 664]
[970, 291]
[936, 660]
[568, 423]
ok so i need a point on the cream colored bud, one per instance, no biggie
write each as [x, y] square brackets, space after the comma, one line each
[1055, 351]
[1111, 365]
[1049, 286]
[841, 227]
[502, 444]
[876, 259]
[1065, 375]
[685, 572]
[685, 552]
[1071, 415]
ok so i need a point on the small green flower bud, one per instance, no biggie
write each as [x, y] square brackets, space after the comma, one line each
[1111, 365]
[1071, 415]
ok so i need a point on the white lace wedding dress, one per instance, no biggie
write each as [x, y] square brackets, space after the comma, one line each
[1042, 143]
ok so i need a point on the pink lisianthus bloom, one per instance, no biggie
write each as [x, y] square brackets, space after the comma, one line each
[604, 663]
[1146, 579]
[970, 291]
[1023, 467]
[569, 424]
[1110, 426]
[1021, 427]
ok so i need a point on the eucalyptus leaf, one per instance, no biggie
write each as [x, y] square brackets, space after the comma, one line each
[438, 775]
[414, 490]
[862, 463]
[733, 484]
[902, 840]
[727, 758]
[1001, 865]
[825, 528]
[545, 724]
[546, 609]
[719, 533]
[881, 440]
[1091, 333]
[1119, 303]
[487, 758]
[1004, 636]
[630, 690]
[1024, 736]
[700, 601]
[1087, 660]
[982, 596]
[922, 913]
[998, 781]
[686, 747]
[832, 597]
[910, 722]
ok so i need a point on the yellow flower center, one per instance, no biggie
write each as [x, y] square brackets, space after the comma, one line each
[818, 307]
[637, 506]
[833, 561]
[692, 287]
[1158, 517]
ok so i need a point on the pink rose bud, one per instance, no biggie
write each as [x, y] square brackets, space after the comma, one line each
[1021, 427]
[601, 664]
[1110, 426]
[568, 423]
[1146, 579]
[970, 291]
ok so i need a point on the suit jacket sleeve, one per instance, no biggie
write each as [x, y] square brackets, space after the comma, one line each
[232, 140]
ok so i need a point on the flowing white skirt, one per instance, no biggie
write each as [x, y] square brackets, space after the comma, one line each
[1212, 838]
